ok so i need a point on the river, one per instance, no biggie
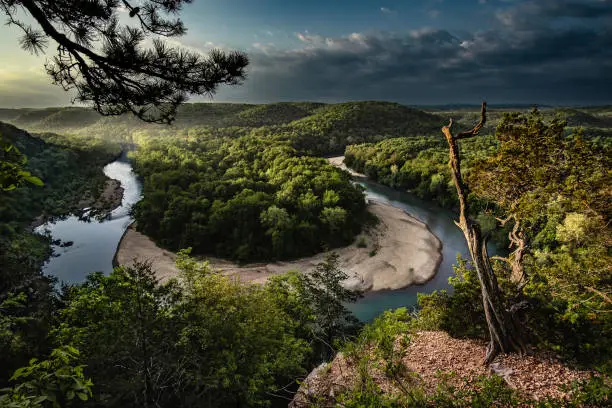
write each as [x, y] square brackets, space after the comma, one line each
[95, 242]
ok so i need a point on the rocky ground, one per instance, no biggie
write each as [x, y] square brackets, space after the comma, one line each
[433, 356]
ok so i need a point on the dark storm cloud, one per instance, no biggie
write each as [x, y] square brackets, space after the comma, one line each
[547, 51]
[589, 9]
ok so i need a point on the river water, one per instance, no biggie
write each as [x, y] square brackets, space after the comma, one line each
[95, 242]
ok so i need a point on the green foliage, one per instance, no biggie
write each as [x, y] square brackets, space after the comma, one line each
[311, 128]
[244, 199]
[331, 128]
[71, 169]
[556, 184]
[461, 313]
[208, 341]
[418, 164]
[389, 336]
[557, 187]
[481, 392]
[316, 301]
[595, 392]
[233, 180]
[322, 289]
[56, 382]
[12, 174]
[12, 340]
[362, 243]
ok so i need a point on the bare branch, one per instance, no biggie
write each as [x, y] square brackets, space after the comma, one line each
[475, 129]
[600, 293]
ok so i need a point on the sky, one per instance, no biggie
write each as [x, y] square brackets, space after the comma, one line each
[416, 52]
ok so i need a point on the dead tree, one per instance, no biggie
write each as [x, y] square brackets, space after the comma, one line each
[504, 332]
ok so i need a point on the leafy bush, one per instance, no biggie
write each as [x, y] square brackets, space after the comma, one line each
[461, 313]
[56, 382]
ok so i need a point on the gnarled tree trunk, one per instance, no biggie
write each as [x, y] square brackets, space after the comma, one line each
[515, 260]
[505, 334]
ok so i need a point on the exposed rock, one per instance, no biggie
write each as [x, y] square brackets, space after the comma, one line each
[325, 383]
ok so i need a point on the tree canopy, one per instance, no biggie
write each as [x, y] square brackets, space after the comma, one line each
[245, 198]
[106, 61]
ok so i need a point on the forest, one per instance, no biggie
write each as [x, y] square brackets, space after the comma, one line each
[244, 199]
[530, 326]
[68, 170]
[247, 193]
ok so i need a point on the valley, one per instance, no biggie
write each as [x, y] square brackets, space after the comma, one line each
[259, 195]
[305, 204]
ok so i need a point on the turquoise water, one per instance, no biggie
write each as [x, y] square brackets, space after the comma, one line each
[440, 221]
[95, 242]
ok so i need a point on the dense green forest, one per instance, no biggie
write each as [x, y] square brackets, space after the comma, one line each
[419, 165]
[251, 182]
[553, 185]
[245, 199]
[70, 169]
[252, 190]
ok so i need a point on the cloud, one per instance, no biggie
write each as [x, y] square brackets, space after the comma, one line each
[532, 15]
[434, 13]
[538, 52]
[386, 10]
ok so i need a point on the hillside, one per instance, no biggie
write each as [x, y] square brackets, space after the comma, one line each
[333, 127]
[432, 369]
[273, 114]
[313, 128]
[575, 117]
[70, 167]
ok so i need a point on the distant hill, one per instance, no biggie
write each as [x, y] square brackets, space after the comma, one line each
[332, 127]
[577, 117]
[474, 107]
[381, 117]
[7, 114]
[275, 113]
[314, 128]
[223, 114]
[188, 115]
